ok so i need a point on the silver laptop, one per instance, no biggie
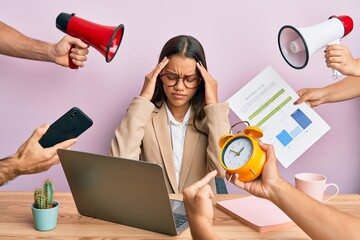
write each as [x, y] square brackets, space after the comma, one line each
[123, 191]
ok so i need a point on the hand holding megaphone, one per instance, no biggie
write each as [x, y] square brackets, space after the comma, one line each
[298, 44]
[335, 72]
[339, 57]
[106, 39]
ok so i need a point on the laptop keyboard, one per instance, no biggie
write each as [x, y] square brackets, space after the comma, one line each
[180, 219]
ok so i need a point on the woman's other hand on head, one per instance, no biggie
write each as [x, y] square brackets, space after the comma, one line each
[211, 85]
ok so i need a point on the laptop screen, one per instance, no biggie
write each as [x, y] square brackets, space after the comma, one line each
[124, 191]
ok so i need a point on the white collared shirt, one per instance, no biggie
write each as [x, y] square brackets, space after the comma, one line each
[177, 134]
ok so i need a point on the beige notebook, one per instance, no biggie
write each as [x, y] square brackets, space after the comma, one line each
[257, 213]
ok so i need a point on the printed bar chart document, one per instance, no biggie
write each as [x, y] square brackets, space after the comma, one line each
[267, 102]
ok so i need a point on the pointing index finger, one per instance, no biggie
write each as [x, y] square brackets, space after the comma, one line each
[205, 180]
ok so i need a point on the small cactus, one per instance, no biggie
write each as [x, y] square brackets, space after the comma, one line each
[44, 198]
[37, 194]
[48, 193]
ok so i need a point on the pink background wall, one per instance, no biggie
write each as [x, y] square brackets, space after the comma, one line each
[240, 40]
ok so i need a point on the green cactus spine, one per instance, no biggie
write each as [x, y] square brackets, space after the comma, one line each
[37, 194]
[44, 198]
[40, 202]
[48, 193]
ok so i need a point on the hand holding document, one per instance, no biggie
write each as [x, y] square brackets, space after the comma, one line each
[267, 102]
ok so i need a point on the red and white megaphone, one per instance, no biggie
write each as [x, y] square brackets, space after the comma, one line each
[106, 39]
[298, 44]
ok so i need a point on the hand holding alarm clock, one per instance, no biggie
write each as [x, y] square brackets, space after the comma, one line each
[240, 153]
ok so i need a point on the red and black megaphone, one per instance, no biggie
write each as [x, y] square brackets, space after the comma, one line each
[106, 39]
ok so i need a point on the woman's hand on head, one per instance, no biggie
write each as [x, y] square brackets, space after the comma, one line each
[211, 85]
[150, 80]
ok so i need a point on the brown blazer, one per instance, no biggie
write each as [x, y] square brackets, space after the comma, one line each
[144, 134]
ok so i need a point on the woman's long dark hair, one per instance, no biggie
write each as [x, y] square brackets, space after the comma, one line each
[189, 47]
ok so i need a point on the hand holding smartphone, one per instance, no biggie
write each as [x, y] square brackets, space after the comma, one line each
[70, 125]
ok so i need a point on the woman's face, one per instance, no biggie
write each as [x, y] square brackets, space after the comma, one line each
[179, 95]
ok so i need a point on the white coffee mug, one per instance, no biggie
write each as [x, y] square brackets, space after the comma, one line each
[314, 185]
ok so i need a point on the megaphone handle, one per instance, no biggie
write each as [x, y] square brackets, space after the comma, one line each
[335, 72]
[71, 64]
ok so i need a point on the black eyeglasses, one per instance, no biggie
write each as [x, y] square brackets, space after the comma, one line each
[171, 79]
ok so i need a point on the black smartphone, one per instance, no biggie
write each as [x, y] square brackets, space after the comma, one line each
[70, 125]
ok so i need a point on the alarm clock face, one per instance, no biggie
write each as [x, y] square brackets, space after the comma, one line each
[237, 152]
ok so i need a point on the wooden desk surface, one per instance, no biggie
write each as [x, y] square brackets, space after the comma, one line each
[16, 221]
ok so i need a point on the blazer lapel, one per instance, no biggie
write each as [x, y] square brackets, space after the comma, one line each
[164, 141]
[191, 139]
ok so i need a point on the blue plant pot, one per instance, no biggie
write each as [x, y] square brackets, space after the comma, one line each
[45, 219]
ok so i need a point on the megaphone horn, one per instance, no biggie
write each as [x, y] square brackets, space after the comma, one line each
[106, 39]
[298, 44]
